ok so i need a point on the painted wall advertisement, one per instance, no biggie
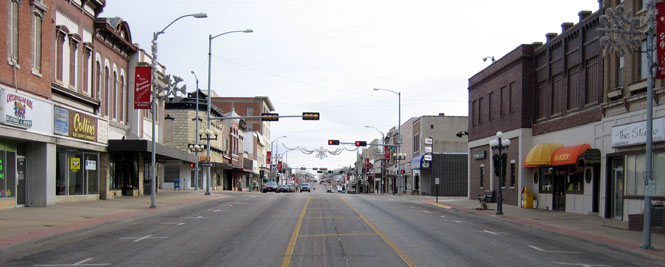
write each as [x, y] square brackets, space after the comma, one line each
[23, 111]
[75, 124]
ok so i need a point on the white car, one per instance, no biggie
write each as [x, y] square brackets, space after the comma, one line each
[339, 189]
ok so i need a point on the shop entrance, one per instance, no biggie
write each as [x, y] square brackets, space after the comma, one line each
[615, 189]
[20, 186]
[559, 191]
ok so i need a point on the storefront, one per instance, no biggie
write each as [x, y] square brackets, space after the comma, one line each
[421, 171]
[566, 178]
[27, 151]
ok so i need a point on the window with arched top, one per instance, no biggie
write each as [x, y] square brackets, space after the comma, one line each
[114, 96]
[98, 81]
[105, 94]
[121, 99]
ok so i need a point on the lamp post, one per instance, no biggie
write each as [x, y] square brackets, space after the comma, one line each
[210, 37]
[499, 145]
[153, 67]
[273, 155]
[383, 158]
[399, 134]
[621, 35]
[196, 134]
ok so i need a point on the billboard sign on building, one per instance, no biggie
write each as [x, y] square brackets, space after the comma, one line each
[23, 111]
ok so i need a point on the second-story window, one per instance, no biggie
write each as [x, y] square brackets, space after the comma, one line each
[416, 143]
[12, 39]
[87, 52]
[73, 61]
[250, 111]
[557, 93]
[573, 87]
[59, 53]
[105, 94]
[121, 99]
[114, 96]
[99, 81]
[620, 71]
[37, 43]
[489, 104]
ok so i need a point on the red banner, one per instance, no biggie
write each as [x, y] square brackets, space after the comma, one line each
[386, 153]
[660, 40]
[268, 157]
[142, 85]
[279, 166]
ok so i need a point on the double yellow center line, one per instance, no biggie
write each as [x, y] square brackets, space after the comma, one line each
[294, 236]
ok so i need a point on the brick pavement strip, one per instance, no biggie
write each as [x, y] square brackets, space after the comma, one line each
[572, 233]
[27, 235]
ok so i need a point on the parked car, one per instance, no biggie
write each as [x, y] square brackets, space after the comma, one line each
[292, 188]
[350, 190]
[304, 187]
[339, 189]
[270, 187]
[282, 188]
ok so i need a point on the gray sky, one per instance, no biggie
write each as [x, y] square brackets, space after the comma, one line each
[326, 56]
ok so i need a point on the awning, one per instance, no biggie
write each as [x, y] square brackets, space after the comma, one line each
[569, 155]
[419, 162]
[161, 151]
[541, 155]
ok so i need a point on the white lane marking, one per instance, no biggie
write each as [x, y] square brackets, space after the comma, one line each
[490, 232]
[552, 251]
[176, 223]
[582, 264]
[442, 216]
[80, 263]
[457, 221]
[137, 239]
[198, 217]
[216, 210]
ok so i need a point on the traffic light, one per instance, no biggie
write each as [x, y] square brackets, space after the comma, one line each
[361, 143]
[332, 142]
[269, 116]
[191, 165]
[310, 116]
[401, 172]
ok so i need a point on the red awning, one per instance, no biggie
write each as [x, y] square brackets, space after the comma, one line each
[568, 155]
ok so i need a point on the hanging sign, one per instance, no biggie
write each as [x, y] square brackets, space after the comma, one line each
[660, 40]
[142, 85]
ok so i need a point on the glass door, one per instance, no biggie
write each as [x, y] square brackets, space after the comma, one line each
[20, 186]
[618, 193]
[91, 177]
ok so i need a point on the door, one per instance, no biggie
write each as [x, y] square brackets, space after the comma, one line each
[617, 199]
[21, 188]
[559, 191]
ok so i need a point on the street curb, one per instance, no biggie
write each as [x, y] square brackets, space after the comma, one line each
[554, 229]
[9, 241]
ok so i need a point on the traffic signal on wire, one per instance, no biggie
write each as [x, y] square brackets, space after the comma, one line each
[269, 116]
[332, 142]
[310, 116]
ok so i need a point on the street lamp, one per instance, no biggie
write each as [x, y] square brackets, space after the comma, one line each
[399, 133]
[210, 37]
[500, 145]
[196, 134]
[273, 155]
[383, 158]
[153, 67]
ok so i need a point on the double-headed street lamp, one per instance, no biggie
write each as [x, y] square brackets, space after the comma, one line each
[399, 134]
[210, 37]
[153, 67]
[500, 145]
[383, 160]
[272, 153]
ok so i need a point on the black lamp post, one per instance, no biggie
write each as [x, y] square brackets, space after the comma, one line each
[500, 145]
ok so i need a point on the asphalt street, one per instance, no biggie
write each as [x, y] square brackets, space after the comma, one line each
[314, 229]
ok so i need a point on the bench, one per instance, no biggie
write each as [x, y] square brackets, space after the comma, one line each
[487, 196]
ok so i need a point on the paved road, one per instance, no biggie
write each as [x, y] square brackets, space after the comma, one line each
[314, 229]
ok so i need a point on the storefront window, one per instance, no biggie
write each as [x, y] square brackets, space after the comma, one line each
[7, 174]
[545, 180]
[575, 180]
[659, 173]
[77, 172]
[635, 174]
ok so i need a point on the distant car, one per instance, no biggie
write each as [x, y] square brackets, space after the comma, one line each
[270, 187]
[282, 188]
[350, 190]
[304, 187]
[292, 188]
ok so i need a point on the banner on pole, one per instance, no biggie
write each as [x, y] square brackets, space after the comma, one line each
[660, 40]
[142, 85]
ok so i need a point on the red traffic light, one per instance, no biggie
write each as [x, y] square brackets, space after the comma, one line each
[401, 171]
[191, 165]
[361, 143]
[332, 142]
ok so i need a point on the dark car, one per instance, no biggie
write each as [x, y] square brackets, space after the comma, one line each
[282, 188]
[304, 187]
[270, 187]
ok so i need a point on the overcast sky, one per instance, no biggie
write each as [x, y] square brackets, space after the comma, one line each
[327, 55]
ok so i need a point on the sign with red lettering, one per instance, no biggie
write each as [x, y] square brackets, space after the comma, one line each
[142, 85]
[660, 40]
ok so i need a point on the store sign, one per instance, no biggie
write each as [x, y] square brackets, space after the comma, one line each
[90, 165]
[636, 133]
[660, 35]
[21, 110]
[142, 84]
[77, 124]
[480, 155]
[428, 141]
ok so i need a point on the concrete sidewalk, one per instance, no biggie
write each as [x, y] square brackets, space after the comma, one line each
[589, 227]
[19, 225]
